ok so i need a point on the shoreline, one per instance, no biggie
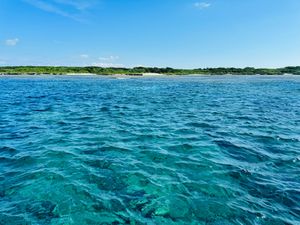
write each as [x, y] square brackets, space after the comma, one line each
[128, 76]
[94, 75]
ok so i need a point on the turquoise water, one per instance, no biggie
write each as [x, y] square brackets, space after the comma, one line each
[186, 150]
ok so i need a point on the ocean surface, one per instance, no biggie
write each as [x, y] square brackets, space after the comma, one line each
[214, 150]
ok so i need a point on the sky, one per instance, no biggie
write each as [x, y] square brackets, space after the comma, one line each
[161, 33]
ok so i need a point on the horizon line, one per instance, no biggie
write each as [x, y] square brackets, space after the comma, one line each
[132, 67]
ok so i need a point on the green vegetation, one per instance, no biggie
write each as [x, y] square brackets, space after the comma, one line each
[33, 70]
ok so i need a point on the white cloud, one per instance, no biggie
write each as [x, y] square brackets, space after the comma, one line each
[108, 61]
[48, 7]
[65, 8]
[101, 64]
[201, 5]
[12, 42]
[109, 58]
[139, 65]
[77, 4]
[2, 62]
[84, 56]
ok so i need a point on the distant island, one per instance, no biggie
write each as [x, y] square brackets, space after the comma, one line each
[140, 71]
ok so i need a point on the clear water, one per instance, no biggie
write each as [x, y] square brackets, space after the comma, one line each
[185, 150]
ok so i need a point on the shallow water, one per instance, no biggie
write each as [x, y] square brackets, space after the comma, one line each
[182, 150]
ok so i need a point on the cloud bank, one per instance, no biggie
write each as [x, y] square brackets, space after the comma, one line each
[12, 42]
[201, 5]
[72, 9]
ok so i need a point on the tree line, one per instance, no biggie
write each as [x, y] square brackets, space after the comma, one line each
[59, 70]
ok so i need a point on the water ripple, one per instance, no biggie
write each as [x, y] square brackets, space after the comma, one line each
[186, 150]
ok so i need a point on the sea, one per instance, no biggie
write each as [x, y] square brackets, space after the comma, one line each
[207, 150]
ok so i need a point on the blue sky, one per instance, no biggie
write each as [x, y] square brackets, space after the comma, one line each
[175, 33]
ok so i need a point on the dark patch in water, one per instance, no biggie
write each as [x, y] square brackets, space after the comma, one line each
[240, 153]
[36, 97]
[2, 193]
[99, 164]
[104, 109]
[46, 109]
[42, 210]
[200, 125]
[107, 181]
[7, 151]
